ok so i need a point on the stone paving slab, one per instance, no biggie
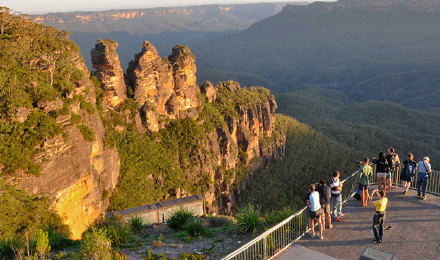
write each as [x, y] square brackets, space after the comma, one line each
[415, 232]
[299, 252]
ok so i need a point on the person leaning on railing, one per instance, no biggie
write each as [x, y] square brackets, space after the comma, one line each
[424, 168]
[393, 162]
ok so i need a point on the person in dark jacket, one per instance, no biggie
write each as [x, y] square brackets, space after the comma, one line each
[325, 194]
[382, 168]
[408, 171]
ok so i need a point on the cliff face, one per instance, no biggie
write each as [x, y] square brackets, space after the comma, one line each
[234, 127]
[77, 175]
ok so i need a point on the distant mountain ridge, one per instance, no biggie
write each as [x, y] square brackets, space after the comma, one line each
[156, 20]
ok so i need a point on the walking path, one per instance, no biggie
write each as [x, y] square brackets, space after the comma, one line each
[415, 232]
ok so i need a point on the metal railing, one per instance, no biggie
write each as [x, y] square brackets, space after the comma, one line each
[274, 241]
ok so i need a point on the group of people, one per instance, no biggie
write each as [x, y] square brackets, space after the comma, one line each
[321, 196]
[325, 202]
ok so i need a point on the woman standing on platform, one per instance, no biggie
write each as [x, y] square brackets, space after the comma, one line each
[379, 217]
[382, 169]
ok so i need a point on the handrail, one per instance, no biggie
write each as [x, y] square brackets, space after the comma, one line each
[262, 247]
[275, 240]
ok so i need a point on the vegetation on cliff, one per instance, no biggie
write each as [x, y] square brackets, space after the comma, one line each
[309, 158]
[178, 158]
[36, 67]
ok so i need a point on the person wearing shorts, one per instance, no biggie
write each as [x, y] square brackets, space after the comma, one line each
[364, 173]
[325, 195]
[314, 211]
[381, 169]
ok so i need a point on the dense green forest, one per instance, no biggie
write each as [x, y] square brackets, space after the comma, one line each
[310, 157]
[370, 126]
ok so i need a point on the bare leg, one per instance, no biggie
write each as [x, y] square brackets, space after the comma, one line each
[322, 219]
[312, 226]
[379, 182]
[329, 220]
[321, 227]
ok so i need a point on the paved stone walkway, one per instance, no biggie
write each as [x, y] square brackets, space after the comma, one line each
[415, 232]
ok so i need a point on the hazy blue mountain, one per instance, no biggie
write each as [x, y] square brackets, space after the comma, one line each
[382, 50]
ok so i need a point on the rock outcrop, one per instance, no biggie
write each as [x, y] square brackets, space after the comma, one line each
[77, 176]
[109, 72]
[164, 88]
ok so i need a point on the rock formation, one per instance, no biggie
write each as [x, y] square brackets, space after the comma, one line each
[164, 88]
[109, 72]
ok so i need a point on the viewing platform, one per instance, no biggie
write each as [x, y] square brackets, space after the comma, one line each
[414, 234]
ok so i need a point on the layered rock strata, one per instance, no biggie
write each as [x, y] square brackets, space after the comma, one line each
[109, 72]
[77, 176]
[164, 88]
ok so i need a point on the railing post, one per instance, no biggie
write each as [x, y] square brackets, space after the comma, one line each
[265, 248]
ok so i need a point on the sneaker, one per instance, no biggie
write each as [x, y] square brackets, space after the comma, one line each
[311, 235]
[321, 237]
[337, 219]
[419, 197]
[330, 227]
[376, 241]
[423, 198]
[342, 215]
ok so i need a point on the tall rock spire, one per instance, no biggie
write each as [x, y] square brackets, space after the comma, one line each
[108, 71]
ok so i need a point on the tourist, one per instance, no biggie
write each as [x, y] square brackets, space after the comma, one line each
[336, 187]
[325, 194]
[424, 168]
[314, 210]
[379, 217]
[364, 173]
[393, 161]
[382, 168]
[408, 171]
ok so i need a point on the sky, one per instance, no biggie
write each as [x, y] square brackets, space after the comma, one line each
[45, 6]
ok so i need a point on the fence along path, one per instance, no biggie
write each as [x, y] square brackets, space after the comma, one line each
[274, 241]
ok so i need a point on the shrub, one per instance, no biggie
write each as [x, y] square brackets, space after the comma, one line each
[7, 247]
[87, 106]
[87, 133]
[195, 227]
[118, 232]
[59, 240]
[277, 216]
[188, 256]
[249, 219]
[219, 221]
[42, 243]
[178, 219]
[136, 223]
[75, 119]
[96, 245]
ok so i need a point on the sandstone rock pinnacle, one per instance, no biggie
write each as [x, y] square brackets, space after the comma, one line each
[105, 61]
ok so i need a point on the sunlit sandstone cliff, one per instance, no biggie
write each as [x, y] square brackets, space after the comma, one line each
[77, 175]
[165, 90]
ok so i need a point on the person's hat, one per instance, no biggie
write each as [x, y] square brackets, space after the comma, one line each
[426, 158]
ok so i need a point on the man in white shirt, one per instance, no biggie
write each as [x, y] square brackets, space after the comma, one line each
[314, 210]
[424, 168]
